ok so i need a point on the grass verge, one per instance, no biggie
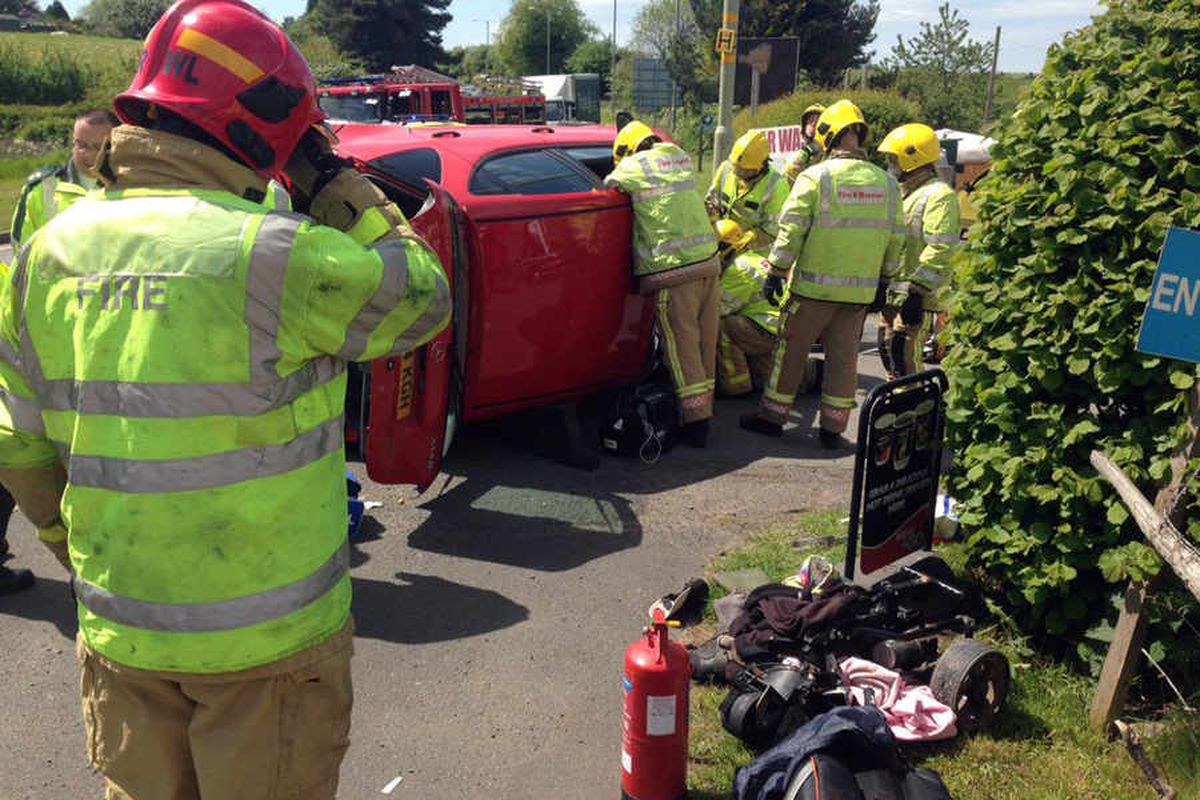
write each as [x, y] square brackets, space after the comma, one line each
[1041, 748]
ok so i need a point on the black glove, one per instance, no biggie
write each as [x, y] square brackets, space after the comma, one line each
[773, 289]
[312, 166]
[913, 308]
[880, 300]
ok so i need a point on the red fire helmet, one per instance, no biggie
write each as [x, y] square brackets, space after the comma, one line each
[227, 68]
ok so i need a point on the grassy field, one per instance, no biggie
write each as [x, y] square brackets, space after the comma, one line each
[1041, 748]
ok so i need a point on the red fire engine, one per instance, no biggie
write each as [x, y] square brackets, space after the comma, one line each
[417, 94]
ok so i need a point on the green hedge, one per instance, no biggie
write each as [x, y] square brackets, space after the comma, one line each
[883, 110]
[48, 76]
[1100, 158]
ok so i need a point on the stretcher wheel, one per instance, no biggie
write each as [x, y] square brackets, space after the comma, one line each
[972, 678]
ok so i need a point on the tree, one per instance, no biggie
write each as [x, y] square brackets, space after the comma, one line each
[381, 33]
[683, 47]
[465, 62]
[21, 8]
[945, 70]
[57, 11]
[128, 19]
[521, 45]
[1099, 161]
[833, 34]
[594, 55]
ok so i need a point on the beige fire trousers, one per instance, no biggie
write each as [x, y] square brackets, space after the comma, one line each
[743, 355]
[688, 317]
[801, 322]
[275, 732]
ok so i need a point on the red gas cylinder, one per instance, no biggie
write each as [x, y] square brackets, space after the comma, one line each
[654, 727]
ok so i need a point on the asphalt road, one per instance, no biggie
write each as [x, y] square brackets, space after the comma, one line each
[492, 612]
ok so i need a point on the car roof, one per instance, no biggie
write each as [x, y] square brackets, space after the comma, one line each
[468, 142]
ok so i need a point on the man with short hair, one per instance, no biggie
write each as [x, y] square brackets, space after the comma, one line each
[50, 190]
[46, 192]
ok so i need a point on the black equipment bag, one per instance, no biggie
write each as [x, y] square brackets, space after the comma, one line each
[644, 420]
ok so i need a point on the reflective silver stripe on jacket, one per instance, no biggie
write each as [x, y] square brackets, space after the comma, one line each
[932, 279]
[392, 286]
[222, 615]
[652, 177]
[25, 413]
[265, 391]
[676, 245]
[421, 330]
[151, 476]
[659, 191]
[837, 280]
[942, 238]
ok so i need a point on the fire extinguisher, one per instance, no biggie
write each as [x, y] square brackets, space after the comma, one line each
[654, 727]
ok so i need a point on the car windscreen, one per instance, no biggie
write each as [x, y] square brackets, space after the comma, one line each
[351, 107]
[528, 172]
[598, 158]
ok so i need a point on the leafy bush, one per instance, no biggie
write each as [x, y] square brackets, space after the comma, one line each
[51, 77]
[883, 111]
[1098, 160]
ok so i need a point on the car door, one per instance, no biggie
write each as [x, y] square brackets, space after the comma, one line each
[413, 394]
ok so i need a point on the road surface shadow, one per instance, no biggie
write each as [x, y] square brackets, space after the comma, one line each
[556, 522]
[419, 609]
[47, 600]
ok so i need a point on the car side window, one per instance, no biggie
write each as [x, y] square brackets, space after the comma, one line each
[528, 172]
[597, 158]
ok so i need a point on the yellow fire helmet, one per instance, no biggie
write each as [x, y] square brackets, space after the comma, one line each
[815, 110]
[730, 236]
[837, 118]
[630, 138]
[914, 145]
[750, 152]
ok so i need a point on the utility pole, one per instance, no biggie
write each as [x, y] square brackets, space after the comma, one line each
[727, 47]
[547, 41]
[987, 103]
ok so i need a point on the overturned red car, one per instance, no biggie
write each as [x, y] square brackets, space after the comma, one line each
[538, 253]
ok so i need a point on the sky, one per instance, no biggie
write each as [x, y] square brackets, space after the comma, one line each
[1028, 26]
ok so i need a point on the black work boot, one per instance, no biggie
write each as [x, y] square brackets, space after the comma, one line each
[695, 434]
[753, 422]
[14, 580]
[833, 441]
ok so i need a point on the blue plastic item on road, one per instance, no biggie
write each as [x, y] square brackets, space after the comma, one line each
[356, 506]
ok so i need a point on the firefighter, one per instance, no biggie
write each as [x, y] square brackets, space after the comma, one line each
[172, 359]
[52, 189]
[842, 232]
[931, 219]
[674, 258]
[810, 150]
[747, 190]
[749, 322]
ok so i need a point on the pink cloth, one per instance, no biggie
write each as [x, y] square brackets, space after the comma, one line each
[912, 712]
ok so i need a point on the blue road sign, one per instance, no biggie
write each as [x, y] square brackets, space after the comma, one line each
[1170, 326]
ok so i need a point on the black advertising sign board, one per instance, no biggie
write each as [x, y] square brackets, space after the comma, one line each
[896, 473]
[776, 60]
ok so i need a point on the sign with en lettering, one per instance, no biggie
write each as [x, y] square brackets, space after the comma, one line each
[1170, 326]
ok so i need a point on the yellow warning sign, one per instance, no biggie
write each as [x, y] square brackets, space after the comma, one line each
[727, 41]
